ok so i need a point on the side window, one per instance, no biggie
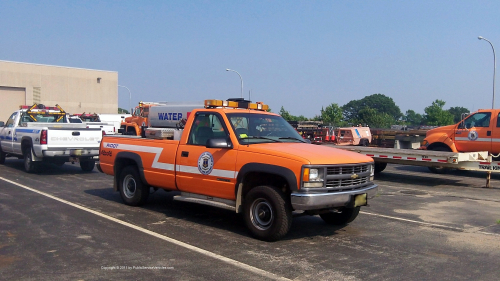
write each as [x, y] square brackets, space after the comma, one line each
[206, 126]
[498, 120]
[240, 125]
[481, 119]
[10, 122]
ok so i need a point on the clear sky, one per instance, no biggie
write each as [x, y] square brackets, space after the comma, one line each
[298, 54]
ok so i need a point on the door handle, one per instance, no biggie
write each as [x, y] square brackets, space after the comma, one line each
[185, 154]
[488, 133]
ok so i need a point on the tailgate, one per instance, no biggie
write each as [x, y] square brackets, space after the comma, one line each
[74, 137]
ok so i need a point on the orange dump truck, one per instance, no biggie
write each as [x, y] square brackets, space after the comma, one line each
[235, 155]
[480, 131]
[135, 124]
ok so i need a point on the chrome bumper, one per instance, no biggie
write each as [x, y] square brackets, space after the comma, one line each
[315, 201]
[72, 152]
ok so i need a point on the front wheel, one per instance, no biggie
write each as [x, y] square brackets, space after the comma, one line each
[29, 165]
[439, 169]
[132, 189]
[345, 216]
[268, 215]
[87, 166]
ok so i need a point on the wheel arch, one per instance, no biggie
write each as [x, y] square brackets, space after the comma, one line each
[257, 174]
[124, 159]
[434, 146]
[26, 142]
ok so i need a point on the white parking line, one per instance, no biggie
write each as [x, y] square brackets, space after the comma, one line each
[417, 222]
[244, 266]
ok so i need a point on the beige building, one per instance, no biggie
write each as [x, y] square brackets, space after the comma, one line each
[76, 90]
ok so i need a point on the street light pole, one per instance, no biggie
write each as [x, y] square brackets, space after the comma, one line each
[494, 68]
[241, 79]
[130, 98]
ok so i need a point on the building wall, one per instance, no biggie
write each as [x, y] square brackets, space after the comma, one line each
[75, 90]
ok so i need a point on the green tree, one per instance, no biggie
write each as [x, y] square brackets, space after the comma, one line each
[289, 117]
[457, 113]
[332, 115]
[379, 102]
[372, 118]
[435, 115]
[412, 118]
[122, 111]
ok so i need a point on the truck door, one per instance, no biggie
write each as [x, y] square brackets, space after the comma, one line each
[474, 133]
[495, 135]
[202, 170]
[7, 133]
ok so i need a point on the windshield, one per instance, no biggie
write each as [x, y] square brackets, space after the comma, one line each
[41, 118]
[261, 128]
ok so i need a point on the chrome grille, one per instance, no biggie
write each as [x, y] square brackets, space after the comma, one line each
[347, 177]
[342, 183]
[342, 170]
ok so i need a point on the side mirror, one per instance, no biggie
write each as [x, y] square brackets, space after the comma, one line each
[2, 124]
[218, 143]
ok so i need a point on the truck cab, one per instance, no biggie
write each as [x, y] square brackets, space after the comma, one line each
[479, 131]
[135, 124]
[235, 155]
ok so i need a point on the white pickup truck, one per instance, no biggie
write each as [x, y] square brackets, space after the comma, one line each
[41, 134]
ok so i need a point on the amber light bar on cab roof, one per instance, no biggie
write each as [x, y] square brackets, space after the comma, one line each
[236, 103]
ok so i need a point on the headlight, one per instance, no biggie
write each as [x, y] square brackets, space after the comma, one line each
[372, 172]
[313, 177]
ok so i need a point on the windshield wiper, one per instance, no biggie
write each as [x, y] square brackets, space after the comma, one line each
[291, 138]
[263, 138]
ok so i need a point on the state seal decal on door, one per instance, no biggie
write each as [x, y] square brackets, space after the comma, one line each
[472, 135]
[205, 163]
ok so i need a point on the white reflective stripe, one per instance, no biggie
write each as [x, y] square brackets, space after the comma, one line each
[495, 140]
[478, 139]
[215, 172]
[140, 148]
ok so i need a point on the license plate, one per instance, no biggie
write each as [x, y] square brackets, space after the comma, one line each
[360, 200]
[75, 152]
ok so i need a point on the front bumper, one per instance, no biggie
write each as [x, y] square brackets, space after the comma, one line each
[316, 201]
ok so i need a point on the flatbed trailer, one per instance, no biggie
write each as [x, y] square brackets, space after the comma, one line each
[469, 161]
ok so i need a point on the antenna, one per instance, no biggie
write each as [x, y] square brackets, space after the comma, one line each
[249, 92]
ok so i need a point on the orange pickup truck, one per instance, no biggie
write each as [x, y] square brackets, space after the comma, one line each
[480, 131]
[235, 155]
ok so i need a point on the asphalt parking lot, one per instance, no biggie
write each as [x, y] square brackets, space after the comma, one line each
[64, 224]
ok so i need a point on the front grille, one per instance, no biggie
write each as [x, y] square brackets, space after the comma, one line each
[342, 170]
[347, 177]
[343, 183]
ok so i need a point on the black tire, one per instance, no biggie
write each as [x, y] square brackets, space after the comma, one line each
[268, 215]
[132, 189]
[87, 166]
[345, 216]
[364, 142]
[439, 170]
[29, 165]
[379, 167]
[2, 156]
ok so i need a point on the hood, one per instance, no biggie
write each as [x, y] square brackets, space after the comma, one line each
[309, 153]
[443, 129]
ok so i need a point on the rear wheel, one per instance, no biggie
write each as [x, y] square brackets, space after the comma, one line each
[267, 213]
[87, 166]
[364, 142]
[29, 165]
[345, 216]
[2, 156]
[439, 169]
[132, 189]
[379, 167]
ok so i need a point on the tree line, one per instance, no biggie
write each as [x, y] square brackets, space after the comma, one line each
[380, 111]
